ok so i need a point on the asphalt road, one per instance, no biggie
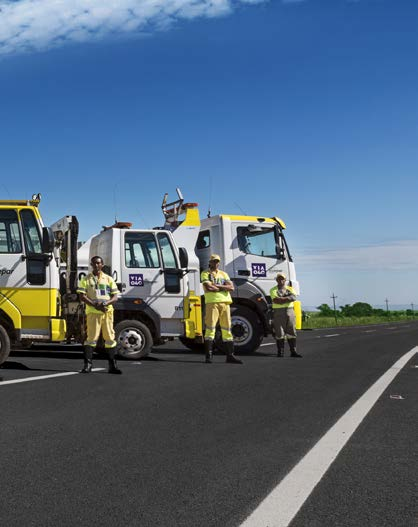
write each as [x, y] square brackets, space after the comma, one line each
[176, 442]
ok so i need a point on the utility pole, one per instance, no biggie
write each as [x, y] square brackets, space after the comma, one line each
[335, 312]
[412, 308]
[387, 305]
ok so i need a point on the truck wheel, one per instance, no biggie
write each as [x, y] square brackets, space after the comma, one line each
[134, 339]
[246, 329]
[4, 345]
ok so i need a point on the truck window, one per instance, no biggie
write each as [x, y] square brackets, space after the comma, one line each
[10, 241]
[203, 240]
[167, 252]
[31, 233]
[258, 241]
[141, 250]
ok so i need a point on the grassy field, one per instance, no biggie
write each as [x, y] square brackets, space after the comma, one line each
[314, 321]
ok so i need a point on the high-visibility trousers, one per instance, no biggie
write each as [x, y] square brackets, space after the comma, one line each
[100, 322]
[218, 311]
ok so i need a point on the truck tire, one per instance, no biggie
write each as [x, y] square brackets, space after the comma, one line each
[4, 345]
[246, 328]
[134, 339]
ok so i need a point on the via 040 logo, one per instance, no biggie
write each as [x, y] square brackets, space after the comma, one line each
[258, 270]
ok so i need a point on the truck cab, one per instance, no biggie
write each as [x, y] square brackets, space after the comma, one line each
[253, 250]
[30, 301]
[158, 280]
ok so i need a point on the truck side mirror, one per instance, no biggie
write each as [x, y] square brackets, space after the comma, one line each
[48, 241]
[184, 257]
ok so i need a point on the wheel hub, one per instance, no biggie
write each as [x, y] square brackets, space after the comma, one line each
[131, 340]
[241, 330]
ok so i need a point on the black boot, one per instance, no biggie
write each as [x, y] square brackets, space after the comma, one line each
[229, 349]
[88, 359]
[113, 367]
[208, 351]
[280, 347]
[292, 346]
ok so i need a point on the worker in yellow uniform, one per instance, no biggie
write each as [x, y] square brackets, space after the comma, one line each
[99, 291]
[217, 287]
[284, 320]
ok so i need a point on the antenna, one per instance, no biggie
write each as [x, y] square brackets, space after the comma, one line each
[210, 196]
[240, 208]
[4, 186]
[114, 202]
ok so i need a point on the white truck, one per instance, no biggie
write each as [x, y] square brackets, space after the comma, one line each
[253, 250]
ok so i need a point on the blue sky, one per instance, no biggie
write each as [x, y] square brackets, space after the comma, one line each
[303, 109]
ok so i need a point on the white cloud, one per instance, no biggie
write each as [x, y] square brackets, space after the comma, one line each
[27, 25]
[396, 255]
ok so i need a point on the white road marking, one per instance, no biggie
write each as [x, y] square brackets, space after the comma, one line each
[42, 377]
[370, 331]
[280, 507]
[267, 344]
[333, 335]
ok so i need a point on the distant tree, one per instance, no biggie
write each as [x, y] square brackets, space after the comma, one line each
[361, 309]
[379, 312]
[346, 310]
[325, 310]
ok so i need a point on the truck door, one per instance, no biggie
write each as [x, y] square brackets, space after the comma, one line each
[151, 273]
[259, 254]
[25, 281]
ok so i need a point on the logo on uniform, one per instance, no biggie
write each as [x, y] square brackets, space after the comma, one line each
[258, 270]
[136, 280]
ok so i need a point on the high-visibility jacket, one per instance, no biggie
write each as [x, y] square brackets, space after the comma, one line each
[101, 287]
[288, 292]
[216, 277]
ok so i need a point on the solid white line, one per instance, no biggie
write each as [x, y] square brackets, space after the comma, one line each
[267, 344]
[280, 507]
[333, 335]
[42, 377]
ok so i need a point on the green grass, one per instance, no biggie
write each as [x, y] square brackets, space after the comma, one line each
[316, 322]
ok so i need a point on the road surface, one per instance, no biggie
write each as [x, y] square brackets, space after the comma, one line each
[327, 440]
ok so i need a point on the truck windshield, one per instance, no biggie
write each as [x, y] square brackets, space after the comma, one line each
[261, 241]
[9, 232]
[141, 250]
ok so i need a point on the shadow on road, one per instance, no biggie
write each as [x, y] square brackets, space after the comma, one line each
[10, 365]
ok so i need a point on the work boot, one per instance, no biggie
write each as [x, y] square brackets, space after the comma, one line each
[113, 367]
[208, 351]
[88, 359]
[230, 357]
[280, 347]
[292, 346]
[88, 365]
